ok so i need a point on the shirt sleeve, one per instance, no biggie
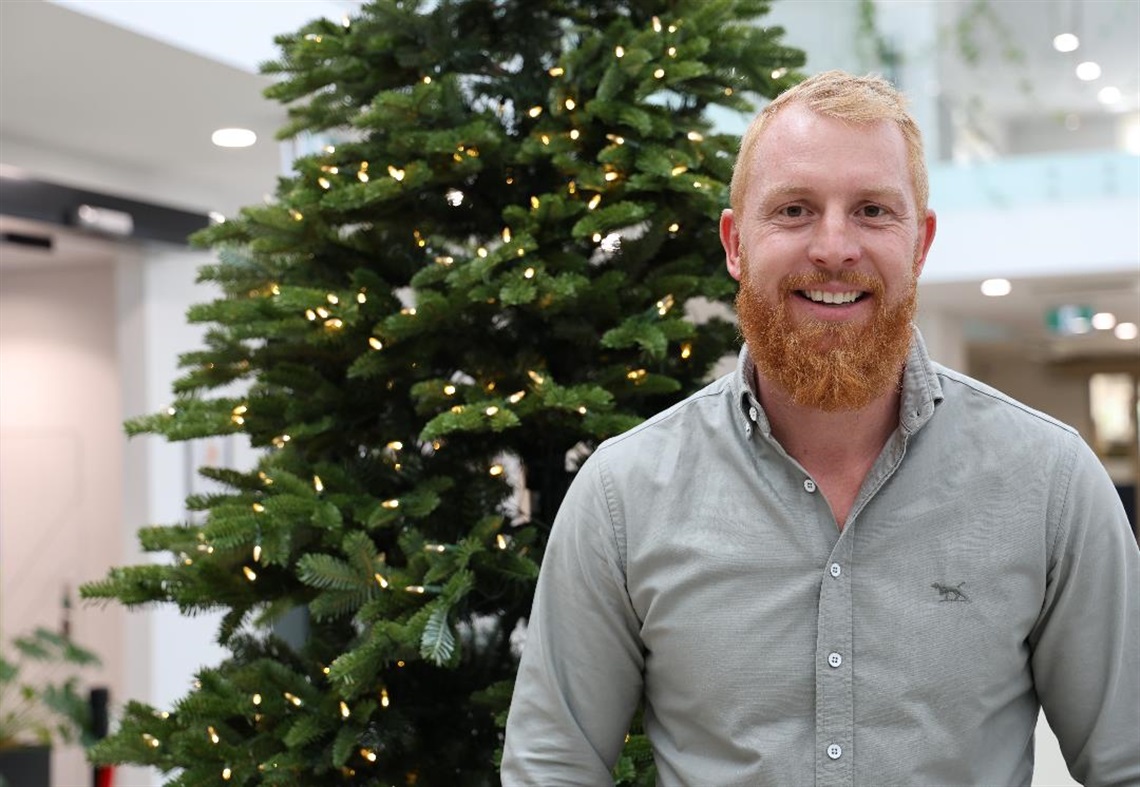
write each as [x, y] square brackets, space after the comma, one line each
[580, 677]
[1086, 645]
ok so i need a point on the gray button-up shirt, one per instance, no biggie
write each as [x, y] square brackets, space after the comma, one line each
[986, 567]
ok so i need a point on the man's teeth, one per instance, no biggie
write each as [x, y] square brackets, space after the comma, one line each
[819, 296]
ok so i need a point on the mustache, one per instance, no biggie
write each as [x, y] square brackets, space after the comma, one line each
[857, 279]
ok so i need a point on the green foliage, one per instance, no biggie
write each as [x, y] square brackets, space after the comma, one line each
[487, 268]
[47, 705]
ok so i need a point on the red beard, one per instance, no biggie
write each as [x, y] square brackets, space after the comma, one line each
[824, 365]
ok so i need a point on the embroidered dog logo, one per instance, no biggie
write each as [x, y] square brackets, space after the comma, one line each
[951, 592]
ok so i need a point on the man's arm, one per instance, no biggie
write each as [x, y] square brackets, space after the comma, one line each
[1086, 646]
[581, 673]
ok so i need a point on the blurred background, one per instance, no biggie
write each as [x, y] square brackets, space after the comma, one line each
[1031, 111]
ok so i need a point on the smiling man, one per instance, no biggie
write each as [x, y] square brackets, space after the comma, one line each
[843, 563]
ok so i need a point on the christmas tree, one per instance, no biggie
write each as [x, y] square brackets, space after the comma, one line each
[485, 273]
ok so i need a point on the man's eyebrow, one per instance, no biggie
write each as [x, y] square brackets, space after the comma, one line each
[876, 193]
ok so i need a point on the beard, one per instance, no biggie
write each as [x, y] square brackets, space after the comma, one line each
[830, 366]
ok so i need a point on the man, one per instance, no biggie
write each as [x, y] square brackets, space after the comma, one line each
[842, 564]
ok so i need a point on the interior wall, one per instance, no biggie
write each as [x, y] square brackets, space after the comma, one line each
[60, 463]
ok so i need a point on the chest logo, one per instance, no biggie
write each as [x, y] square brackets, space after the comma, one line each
[951, 592]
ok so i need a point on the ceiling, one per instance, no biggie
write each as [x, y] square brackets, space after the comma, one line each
[126, 113]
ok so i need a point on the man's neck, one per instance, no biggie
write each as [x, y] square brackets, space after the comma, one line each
[836, 448]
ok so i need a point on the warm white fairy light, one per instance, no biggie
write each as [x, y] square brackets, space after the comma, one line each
[574, 133]
[444, 260]
[417, 589]
[250, 574]
[680, 169]
[410, 311]
[256, 699]
[310, 314]
[427, 80]
[492, 410]
[594, 201]
[619, 51]
[330, 149]
[534, 203]
[213, 735]
[481, 252]
[557, 71]
[437, 548]
[528, 273]
[656, 25]
[671, 51]
[538, 378]
[334, 324]
[324, 183]
[384, 701]
[582, 410]
[596, 237]
[454, 197]
[396, 173]
[332, 298]
[368, 754]
[728, 91]
[694, 136]
[617, 139]
[637, 375]
[395, 445]
[674, 227]
[322, 312]
[496, 470]
[449, 390]
[344, 711]
[293, 698]
[534, 111]
[569, 103]
[257, 553]
[611, 176]
[686, 351]
[391, 504]
[361, 297]
[506, 234]
[380, 580]
[258, 508]
[296, 214]
[658, 73]
[226, 773]
[664, 305]
[151, 741]
[501, 541]
[779, 73]
[318, 484]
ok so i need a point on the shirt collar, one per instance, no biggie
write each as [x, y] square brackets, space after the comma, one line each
[921, 390]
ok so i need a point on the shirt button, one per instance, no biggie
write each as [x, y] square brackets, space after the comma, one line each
[835, 569]
[834, 659]
[809, 485]
[753, 414]
[835, 751]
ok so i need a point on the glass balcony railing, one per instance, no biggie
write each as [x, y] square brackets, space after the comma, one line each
[1022, 181]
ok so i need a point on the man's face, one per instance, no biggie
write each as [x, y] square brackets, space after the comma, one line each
[827, 248]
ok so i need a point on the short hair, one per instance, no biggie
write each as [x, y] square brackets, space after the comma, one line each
[840, 95]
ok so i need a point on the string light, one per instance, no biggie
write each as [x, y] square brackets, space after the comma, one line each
[170, 411]
[427, 79]
[391, 504]
[637, 375]
[449, 390]
[656, 25]
[501, 541]
[545, 139]
[375, 343]
[582, 410]
[728, 91]
[318, 484]
[330, 149]
[344, 711]
[275, 290]
[664, 305]
[380, 580]
[454, 197]
[671, 51]
[395, 445]
[496, 470]
[151, 741]
[569, 104]
[293, 698]
[368, 754]
[310, 314]
[418, 589]
[557, 71]
[384, 701]
[213, 735]
[619, 51]
[617, 139]
[226, 773]
[686, 351]
[250, 574]
[361, 297]
[534, 203]
[410, 311]
[572, 187]
[694, 136]
[258, 508]
[594, 201]
[481, 252]
[492, 410]
[611, 176]
[322, 312]
[674, 227]
[257, 553]
[296, 214]
[538, 378]
[335, 324]
[440, 548]
[680, 169]
[528, 273]
[506, 234]
[396, 173]
[534, 111]
[324, 183]
[256, 699]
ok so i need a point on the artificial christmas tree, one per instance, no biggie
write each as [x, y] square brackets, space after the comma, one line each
[485, 274]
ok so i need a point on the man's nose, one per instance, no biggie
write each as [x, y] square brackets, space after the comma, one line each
[834, 242]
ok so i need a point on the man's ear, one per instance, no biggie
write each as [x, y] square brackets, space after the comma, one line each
[925, 237]
[730, 240]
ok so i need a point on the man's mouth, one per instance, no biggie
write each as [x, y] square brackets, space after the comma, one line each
[837, 298]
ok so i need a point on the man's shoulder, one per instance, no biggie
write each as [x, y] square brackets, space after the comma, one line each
[984, 406]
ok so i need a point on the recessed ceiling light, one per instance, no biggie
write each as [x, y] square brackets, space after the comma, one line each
[1066, 42]
[1126, 331]
[995, 288]
[1103, 321]
[233, 137]
[1109, 95]
[1088, 71]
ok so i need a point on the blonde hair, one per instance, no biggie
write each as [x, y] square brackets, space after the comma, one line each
[840, 95]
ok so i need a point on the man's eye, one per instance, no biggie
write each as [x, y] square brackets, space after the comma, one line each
[794, 211]
[873, 211]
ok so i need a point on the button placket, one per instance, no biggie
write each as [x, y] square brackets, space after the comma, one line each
[834, 707]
